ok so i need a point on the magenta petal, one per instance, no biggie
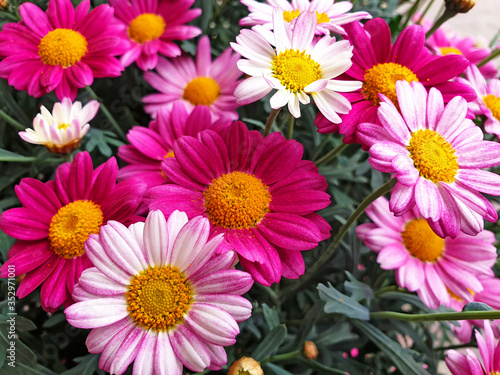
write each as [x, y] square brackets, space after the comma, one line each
[292, 263]
[23, 224]
[408, 46]
[168, 198]
[33, 256]
[34, 278]
[238, 145]
[300, 202]
[289, 231]
[36, 195]
[246, 245]
[54, 291]
[196, 158]
[35, 19]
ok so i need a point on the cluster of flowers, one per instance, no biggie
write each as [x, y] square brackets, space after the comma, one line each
[145, 255]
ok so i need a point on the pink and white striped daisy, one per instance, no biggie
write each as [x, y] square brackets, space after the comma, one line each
[488, 99]
[469, 363]
[62, 130]
[159, 297]
[330, 15]
[192, 83]
[57, 218]
[152, 26]
[435, 153]
[256, 191]
[296, 68]
[62, 49]
[425, 263]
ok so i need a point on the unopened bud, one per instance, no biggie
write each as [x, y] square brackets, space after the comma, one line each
[245, 366]
[461, 6]
[4, 4]
[310, 350]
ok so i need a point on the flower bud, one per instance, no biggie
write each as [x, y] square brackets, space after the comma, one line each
[310, 350]
[245, 366]
[461, 6]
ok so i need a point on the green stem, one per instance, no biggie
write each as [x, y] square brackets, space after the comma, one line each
[281, 357]
[459, 346]
[322, 367]
[331, 154]
[426, 10]
[448, 13]
[495, 39]
[290, 126]
[494, 54]
[447, 316]
[381, 291]
[410, 13]
[11, 121]
[330, 250]
[270, 121]
[107, 113]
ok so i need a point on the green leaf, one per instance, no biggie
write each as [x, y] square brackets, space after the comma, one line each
[339, 303]
[338, 333]
[309, 321]
[477, 306]
[54, 320]
[358, 290]
[87, 365]
[6, 155]
[403, 361]
[270, 344]
[276, 369]
[271, 316]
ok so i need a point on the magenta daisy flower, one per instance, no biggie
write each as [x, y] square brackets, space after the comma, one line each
[62, 49]
[424, 262]
[256, 191]
[158, 296]
[195, 83]
[330, 15]
[488, 99]
[445, 42]
[56, 219]
[469, 364]
[379, 64]
[436, 154]
[151, 26]
[150, 146]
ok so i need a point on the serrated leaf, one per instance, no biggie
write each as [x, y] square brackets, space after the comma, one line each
[358, 290]
[403, 361]
[22, 324]
[270, 316]
[270, 344]
[339, 303]
[87, 365]
[477, 306]
[54, 320]
[338, 333]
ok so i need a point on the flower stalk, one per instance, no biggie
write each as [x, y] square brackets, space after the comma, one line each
[435, 317]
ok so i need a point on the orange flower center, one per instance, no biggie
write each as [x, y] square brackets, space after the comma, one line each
[382, 78]
[72, 226]
[146, 27]
[290, 15]
[159, 297]
[236, 200]
[63, 47]
[421, 242]
[450, 51]
[492, 102]
[201, 91]
[433, 156]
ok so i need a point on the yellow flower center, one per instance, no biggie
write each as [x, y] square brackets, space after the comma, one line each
[159, 297]
[295, 70]
[146, 27]
[450, 51]
[72, 225]
[492, 102]
[63, 47]
[290, 15]
[433, 156]
[201, 91]
[170, 154]
[236, 200]
[457, 298]
[63, 126]
[382, 78]
[421, 242]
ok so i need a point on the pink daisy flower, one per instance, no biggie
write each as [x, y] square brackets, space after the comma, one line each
[436, 154]
[256, 191]
[297, 67]
[62, 49]
[150, 146]
[490, 295]
[469, 364]
[56, 219]
[62, 130]
[151, 26]
[445, 42]
[379, 64]
[488, 99]
[424, 262]
[195, 83]
[158, 296]
[330, 17]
